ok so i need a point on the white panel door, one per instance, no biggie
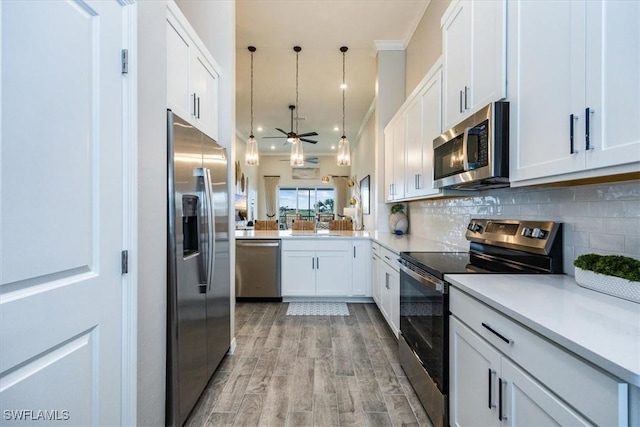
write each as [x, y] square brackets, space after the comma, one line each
[388, 163]
[333, 273]
[361, 273]
[61, 212]
[179, 100]
[431, 129]
[204, 83]
[473, 378]
[546, 87]
[298, 273]
[613, 85]
[456, 50]
[399, 136]
[526, 403]
[413, 147]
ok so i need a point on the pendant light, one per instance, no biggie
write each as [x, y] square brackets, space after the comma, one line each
[297, 156]
[251, 157]
[344, 152]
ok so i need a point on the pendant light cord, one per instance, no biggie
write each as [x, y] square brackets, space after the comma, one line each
[297, 105]
[344, 89]
[252, 50]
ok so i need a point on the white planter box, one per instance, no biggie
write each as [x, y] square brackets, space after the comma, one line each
[614, 286]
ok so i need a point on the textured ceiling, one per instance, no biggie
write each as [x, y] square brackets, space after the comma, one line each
[320, 28]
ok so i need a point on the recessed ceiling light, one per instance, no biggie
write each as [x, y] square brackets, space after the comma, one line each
[336, 128]
[259, 129]
[273, 147]
[343, 86]
[333, 147]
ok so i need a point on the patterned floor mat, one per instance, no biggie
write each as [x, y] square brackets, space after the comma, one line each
[317, 309]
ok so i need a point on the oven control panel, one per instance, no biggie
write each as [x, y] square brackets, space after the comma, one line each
[532, 236]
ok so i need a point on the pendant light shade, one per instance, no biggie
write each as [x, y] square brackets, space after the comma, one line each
[251, 156]
[344, 151]
[297, 156]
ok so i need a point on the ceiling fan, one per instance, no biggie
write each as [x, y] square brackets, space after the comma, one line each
[292, 135]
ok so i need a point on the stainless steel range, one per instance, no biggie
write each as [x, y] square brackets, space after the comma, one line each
[497, 246]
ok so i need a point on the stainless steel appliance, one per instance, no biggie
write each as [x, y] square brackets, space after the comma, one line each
[198, 288]
[474, 154]
[497, 246]
[258, 270]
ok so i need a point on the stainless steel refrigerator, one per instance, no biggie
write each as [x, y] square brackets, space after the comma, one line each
[198, 281]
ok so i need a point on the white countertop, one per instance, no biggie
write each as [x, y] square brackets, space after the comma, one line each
[600, 328]
[397, 244]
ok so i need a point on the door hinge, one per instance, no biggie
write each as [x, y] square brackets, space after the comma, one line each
[125, 61]
[125, 262]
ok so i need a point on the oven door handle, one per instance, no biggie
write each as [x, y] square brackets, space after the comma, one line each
[433, 283]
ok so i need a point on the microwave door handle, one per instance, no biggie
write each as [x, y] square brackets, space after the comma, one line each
[465, 146]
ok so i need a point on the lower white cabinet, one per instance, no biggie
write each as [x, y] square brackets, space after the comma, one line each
[502, 374]
[314, 267]
[361, 282]
[386, 286]
[487, 389]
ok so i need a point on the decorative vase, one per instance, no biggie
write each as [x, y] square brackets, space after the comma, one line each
[398, 222]
[610, 285]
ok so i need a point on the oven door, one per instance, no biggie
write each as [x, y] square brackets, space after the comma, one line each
[424, 310]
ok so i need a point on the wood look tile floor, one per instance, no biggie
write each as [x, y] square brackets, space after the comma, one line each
[309, 371]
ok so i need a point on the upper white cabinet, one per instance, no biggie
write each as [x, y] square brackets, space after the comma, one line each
[474, 57]
[192, 76]
[409, 141]
[573, 89]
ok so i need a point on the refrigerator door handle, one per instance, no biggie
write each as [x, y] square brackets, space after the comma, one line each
[211, 230]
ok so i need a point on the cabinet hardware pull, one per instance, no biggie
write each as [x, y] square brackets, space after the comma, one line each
[195, 111]
[387, 258]
[465, 98]
[461, 101]
[198, 107]
[354, 251]
[587, 138]
[490, 375]
[500, 416]
[502, 337]
[571, 134]
[318, 262]
[313, 263]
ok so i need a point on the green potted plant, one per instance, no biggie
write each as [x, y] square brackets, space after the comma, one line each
[398, 221]
[610, 274]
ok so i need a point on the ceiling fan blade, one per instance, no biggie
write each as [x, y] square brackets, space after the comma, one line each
[308, 140]
[308, 134]
[278, 129]
[279, 137]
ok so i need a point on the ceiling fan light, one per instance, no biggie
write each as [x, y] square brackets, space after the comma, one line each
[344, 152]
[290, 139]
[325, 179]
[251, 156]
[297, 156]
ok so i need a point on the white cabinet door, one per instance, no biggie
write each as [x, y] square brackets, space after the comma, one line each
[178, 46]
[431, 99]
[204, 87]
[388, 163]
[333, 273]
[413, 145]
[488, 50]
[399, 160]
[394, 303]
[456, 49]
[298, 273]
[527, 403]
[376, 271]
[473, 378]
[612, 82]
[63, 141]
[385, 291]
[361, 273]
[546, 87]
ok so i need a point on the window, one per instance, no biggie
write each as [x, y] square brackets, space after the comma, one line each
[306, 202]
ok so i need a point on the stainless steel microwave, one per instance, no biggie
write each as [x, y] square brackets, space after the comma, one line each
[474, 155]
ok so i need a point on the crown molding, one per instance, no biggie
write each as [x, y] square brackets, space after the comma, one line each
[389, 45]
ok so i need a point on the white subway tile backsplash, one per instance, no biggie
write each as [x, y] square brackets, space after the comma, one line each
[602, 218]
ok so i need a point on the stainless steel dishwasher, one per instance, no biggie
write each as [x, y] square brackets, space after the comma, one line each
[258, 270]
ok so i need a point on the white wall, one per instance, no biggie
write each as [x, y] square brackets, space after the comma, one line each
[363, 164]
[152, 208]
[276, 165]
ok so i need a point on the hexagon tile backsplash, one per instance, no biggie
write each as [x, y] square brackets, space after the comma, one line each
[601, 218]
